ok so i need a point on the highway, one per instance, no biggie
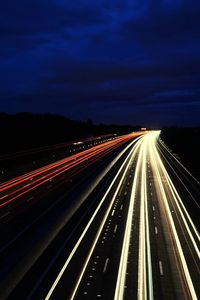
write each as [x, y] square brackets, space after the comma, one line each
[116, 221]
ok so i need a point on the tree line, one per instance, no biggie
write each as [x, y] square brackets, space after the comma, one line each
[27, 130]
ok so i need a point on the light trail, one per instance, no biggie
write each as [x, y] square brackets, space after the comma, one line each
[30, 175]
[145, 289]
[181, 207]
[128, 158]
[157, 167]
[174, 230]
[145, 147]
[121, 277]
[177, 199]
[144, 248]
[46, 241]
[182, 211]
[189, 173]
[145, 276]
[40, 181]
[38, 177]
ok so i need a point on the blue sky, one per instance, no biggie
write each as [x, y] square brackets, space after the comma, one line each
[122, 61]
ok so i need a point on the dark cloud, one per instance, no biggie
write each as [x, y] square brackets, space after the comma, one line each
[99, 71]
[101, 58]
[165, 25]
[26, 24]
[34, 16]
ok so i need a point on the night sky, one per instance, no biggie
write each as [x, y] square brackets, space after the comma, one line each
[122, 61]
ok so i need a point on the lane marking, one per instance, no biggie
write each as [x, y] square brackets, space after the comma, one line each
[127, 161]
[145, 278]
[159, 168]
[161, 268]
[122, 271]
[105, 265]
[156, 230]
[115, 228]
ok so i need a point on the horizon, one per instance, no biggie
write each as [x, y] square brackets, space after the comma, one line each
[93, 123]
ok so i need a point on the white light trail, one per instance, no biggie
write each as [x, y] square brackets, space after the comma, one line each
[144, 263]
[144, 241]
[119, 290]
[128, 158]
[147, 153]
[158, 168]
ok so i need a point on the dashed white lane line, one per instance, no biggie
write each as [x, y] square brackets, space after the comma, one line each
[125, 193]
[153, 208]
[161, 268]
[113, 213]
[115, 228]
[156, 230]
[105, 265]
[121, 207]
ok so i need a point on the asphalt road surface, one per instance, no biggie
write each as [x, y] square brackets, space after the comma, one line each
[116, 221]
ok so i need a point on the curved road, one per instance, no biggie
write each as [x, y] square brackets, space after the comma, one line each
[135, 235]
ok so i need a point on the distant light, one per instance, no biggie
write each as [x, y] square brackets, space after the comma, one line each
[143, 128]
[77, 143]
